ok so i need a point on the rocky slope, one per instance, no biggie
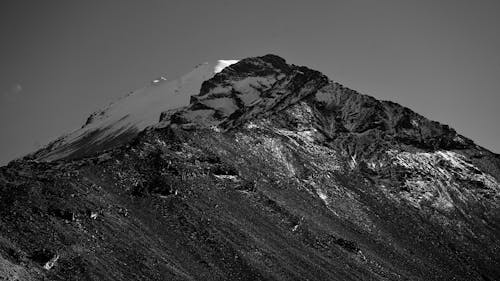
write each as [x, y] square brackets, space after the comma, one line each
[272, 172]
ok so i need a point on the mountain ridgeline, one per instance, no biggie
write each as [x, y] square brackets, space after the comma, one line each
[264, 171]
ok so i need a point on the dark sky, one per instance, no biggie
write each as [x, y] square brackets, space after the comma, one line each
[61, 60]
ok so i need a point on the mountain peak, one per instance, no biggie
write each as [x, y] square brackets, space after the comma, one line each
[259, 87]
[252, 87]
[228, 93]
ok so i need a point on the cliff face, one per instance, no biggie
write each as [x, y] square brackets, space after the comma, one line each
[273, 172]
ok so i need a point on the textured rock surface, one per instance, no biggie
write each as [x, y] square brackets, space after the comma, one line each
[273, 172]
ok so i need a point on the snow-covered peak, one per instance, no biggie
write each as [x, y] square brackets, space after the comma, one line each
[221, 64]
[253, 87]
[134, 112]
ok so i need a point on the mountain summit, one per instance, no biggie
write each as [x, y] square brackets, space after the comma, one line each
[257, 170]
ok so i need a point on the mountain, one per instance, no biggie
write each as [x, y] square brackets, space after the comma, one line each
[270, 171]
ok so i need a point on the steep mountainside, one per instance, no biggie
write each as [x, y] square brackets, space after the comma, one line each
[272, 172]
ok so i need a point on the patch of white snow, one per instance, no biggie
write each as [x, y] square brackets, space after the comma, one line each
[221, 64]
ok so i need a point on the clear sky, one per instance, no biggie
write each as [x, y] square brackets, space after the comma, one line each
[61, 60]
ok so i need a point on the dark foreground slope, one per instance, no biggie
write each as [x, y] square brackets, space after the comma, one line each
[310, 181]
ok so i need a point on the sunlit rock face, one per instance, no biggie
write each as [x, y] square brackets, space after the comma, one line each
[271, 172]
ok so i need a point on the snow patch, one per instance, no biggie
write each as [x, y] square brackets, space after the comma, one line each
[158, 80]
[221, 64]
